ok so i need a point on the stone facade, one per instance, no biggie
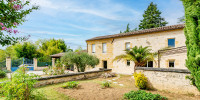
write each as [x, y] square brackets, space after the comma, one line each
[108, 56]
[155, 40]
[172, 80]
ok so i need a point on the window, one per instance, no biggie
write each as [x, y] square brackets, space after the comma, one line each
[128, 46]
[149, 64]
[93, 48]
[171, 63]
[128, 63]
[104, 48]
[171, 42]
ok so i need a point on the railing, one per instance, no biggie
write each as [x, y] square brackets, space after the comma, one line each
[42, 64]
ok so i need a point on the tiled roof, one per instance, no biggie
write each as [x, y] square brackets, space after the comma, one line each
[57, 55]
[158, 29]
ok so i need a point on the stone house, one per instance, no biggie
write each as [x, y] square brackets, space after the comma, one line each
[106, 48]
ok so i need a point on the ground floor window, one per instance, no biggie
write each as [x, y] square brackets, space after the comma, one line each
[171, 63]
[149, 64]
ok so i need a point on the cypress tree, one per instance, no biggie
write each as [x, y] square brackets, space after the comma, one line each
[127, 28]
[192, 33]
[152, 18]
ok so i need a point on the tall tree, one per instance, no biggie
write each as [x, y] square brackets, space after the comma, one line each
[12, 13]
[26, 50]
[192, 33]
[152, 18]
[128, 29]
[50, 47]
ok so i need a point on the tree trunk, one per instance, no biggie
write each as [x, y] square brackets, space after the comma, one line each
[135, 68]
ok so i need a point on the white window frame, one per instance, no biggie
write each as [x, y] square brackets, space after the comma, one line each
[104, 48]
[93, 48]
[127, 45]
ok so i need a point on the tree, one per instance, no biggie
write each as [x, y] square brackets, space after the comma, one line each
[152, 18]
[192, 33]
[181, 19]
[26, 50]
[128, 29]
[139, 55]
[81, 60]
[12, 14]
[50, 47]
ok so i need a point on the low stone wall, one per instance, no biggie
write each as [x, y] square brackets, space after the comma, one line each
[40, 68]
[70, 77]
[172, 80]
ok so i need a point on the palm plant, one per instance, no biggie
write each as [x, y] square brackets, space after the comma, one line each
[139, 55]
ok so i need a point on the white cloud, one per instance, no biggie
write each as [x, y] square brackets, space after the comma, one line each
[104, 11]
[48, 33]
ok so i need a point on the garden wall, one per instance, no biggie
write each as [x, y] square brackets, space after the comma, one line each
[70, 77]
[172, 80]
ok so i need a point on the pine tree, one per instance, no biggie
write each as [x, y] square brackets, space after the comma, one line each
[152, 18]
[192, 33]
[127, 28]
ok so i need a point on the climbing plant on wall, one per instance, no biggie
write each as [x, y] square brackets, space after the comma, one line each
[192, 33]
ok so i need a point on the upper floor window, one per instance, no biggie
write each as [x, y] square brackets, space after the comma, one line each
[93, 48]
[171, 63]
[171, 42]
[128, 46]
[104, 48]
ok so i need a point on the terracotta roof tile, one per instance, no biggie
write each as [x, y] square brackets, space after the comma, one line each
[158, 29]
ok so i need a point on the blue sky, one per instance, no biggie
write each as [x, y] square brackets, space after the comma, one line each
[77, 20]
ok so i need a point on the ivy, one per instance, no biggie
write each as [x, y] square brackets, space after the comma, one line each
[192, 33]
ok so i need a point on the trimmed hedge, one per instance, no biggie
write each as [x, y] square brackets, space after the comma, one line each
[142, 95]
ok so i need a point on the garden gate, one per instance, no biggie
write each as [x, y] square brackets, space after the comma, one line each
[16, 63]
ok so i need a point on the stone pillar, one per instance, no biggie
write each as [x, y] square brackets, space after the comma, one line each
[53, 62]
[35, 63]
[8, 64]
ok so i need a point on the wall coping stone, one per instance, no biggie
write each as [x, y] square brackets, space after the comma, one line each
[70, 74]
[164, 69]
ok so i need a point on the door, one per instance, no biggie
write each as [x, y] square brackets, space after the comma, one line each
[105, 64]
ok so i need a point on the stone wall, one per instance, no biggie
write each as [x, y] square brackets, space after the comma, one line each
[70, 77]
[172, 80]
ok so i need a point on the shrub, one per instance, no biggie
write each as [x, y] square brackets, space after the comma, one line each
[20, 87]
[2, 74]
[192, 79]
[142, 95]
[106, 84]
[140, 80]
[82, 60]
[71, 85]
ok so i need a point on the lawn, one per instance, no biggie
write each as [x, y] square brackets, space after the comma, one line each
[92, 90]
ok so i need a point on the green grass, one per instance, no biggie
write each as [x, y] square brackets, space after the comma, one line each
[52, 94]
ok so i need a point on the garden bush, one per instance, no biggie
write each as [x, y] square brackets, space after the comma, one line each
[57, 70]
[142, 95]
[71, 85]
[20, 87]
[106, 84]
[140, 80]
[2, 74]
